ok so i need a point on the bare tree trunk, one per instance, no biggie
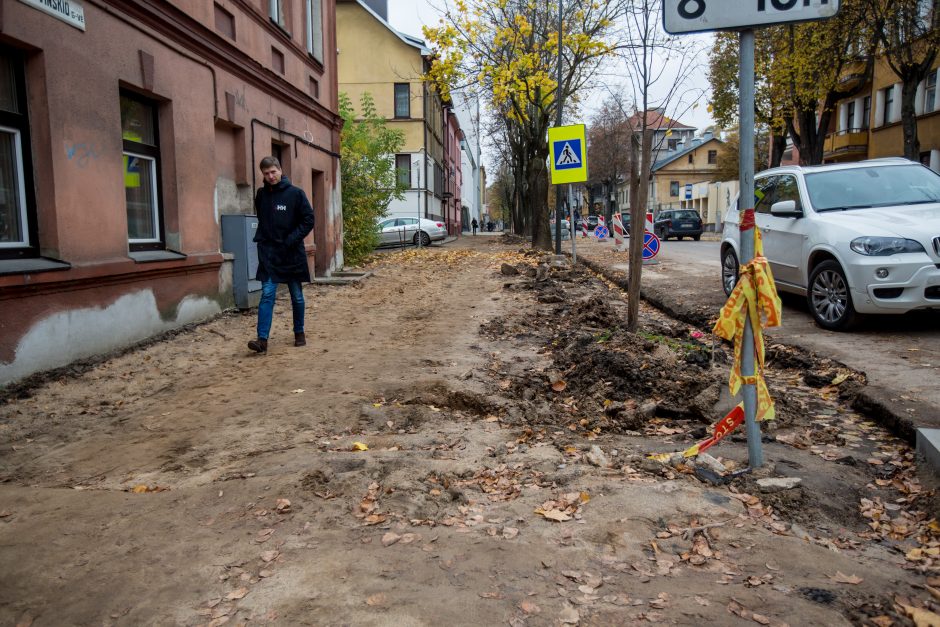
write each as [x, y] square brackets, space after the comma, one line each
[777, 147]
[639, 174]
[537, 193]
[909, 120]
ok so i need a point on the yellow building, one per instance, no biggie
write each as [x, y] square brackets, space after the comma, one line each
[375, 58]
[868, 125]
[675, 174]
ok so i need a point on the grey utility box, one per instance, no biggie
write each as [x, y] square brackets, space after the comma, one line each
[238, 234]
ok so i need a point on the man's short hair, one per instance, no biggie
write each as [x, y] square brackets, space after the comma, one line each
[269, 162]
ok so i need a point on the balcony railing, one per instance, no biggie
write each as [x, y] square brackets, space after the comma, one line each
[847, 142]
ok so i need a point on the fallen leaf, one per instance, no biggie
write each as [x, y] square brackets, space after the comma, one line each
[269, 556]
[390, 538]
[559, 386]
[510, 532]
[264, 574]
[702, 601]
[359, 446]
[377, 599]
[882, 621]
[921, 617]
[298, 391]
[282, 505]
[529, 607]
[491, 595]
[554, 514]
[841, 578]
[237, 594]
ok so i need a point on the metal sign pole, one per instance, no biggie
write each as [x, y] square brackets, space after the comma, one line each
[572, 206]
[746, 203]
[559, 216]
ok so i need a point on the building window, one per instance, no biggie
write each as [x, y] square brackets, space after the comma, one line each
[403, 170]
[866, 111]
[276, 12]
[712, 157]
[889, 105]
[402, 100]
[674, 188]
[225, 22]
[672, 144]
[315, 29]
[691, 157]
[850, 116]
[277, 60]
[314, 87]
[930, 93]
[141, 171]
[17, 206]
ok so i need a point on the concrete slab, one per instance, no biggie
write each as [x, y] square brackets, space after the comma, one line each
[928, 447]
[342, 277]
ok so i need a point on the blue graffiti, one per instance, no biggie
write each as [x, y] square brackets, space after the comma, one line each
[81, 153]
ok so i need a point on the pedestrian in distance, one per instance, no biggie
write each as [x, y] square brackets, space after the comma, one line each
[474, 224]
[285, 217]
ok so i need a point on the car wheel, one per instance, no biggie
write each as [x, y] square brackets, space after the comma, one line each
[829, 298]
[696, 237]
[729, 271]
[425, 239]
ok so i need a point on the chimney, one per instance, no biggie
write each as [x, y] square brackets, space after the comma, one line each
[379, 6]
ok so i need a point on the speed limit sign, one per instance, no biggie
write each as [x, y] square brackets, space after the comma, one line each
[693, 16]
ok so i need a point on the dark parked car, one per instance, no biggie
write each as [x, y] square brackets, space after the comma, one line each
[678, 223]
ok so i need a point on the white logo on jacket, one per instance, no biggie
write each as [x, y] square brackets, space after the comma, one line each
[281, 207]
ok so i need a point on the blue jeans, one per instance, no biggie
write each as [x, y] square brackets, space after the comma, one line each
[266, 307]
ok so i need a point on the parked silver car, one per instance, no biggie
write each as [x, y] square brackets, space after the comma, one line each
[854, 238]
[398, 231]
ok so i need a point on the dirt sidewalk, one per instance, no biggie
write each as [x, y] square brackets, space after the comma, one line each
[506, 419]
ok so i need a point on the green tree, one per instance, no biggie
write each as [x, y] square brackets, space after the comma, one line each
[369, 178]
[508, 49]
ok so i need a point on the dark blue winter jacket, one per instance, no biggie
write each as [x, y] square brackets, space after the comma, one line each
[285, 217]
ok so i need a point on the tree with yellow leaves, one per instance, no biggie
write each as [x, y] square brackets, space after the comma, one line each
[507, 50]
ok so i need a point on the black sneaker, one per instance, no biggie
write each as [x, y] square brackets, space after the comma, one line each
[300, 339]
[259, 345]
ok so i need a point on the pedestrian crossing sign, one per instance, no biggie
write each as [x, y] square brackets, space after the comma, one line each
[568, 156]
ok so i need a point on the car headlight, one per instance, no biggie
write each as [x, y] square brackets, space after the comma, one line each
[884, 246]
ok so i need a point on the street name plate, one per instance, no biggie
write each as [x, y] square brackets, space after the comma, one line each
[695, 16]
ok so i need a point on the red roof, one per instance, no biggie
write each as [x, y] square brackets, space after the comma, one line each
[656, 120]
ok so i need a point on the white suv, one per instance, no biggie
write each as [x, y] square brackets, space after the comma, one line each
[853, 238]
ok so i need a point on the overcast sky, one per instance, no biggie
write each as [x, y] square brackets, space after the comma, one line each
[409, 15]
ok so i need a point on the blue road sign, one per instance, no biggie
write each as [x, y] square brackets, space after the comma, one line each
[601, 232]
[566, 153]
[650, 245]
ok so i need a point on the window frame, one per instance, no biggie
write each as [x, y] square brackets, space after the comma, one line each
[140, 150]
[17, 123]
[712, 157]
[930, 92]
[850, 116]
[866, 112]
[314, 15]
[889, 105]
[276, 13]
[400, 172]
[407, 90]
[674, 189]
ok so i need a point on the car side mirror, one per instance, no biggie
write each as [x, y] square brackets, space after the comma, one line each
[786, 209]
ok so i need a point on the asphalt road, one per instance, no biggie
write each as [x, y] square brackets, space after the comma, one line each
[899, 353]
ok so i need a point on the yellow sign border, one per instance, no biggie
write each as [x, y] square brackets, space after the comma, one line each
[567, 133]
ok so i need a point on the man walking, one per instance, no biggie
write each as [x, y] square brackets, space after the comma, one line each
[285, 217]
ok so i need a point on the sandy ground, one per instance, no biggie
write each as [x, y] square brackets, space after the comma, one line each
[191, 482]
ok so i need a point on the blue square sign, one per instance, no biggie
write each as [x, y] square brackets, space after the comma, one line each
[566, 153]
